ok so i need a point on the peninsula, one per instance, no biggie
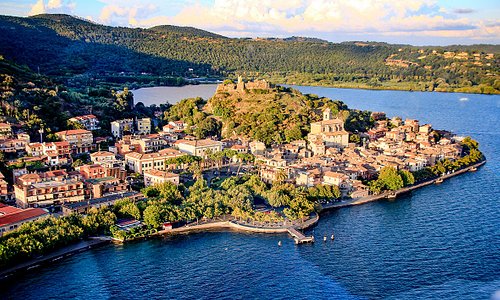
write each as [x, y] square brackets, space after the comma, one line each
[255, 156]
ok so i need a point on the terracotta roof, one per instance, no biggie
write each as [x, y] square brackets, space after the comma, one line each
[23, 215]
[73, 132]
[199, 143]
[159, 173]
[101, 153]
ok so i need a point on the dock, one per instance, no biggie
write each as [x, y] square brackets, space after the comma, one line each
[299, 237]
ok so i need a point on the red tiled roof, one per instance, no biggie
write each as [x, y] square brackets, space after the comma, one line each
[23, 215]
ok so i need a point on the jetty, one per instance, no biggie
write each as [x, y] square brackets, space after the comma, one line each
[299, 237]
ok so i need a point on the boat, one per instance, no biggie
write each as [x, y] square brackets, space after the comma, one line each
[439, 180]
[333, 237]
[324, 238]
[392, 196]
[464, 99]
[279, 243]
[473, 169]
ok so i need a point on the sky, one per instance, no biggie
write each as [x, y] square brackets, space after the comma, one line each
[416, 22]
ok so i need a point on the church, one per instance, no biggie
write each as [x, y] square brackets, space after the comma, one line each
[327, 133]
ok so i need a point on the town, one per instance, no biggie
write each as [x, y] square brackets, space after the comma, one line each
[82, 171]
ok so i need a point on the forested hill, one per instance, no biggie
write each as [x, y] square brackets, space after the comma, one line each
[61, 45]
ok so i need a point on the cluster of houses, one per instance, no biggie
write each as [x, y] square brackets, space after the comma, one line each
[325, 157]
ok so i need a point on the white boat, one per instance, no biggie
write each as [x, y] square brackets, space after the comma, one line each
[464, 99]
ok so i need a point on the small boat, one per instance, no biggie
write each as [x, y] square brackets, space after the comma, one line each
[473, 169]
[324, 239]
[279, 243]
[464, 99]
[392, 196]
[439, 180]
[333, 237]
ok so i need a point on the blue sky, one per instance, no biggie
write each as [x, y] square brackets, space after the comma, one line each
[417, 22]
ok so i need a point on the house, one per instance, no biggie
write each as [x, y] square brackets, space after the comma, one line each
[139, 163]
[12, 217]
[198, 147]
[143, 126]
[120, 127]
[240, 148]
[80, 140]
[257, 148]
[154, 177]
[90, 122]
[49, 188]
[105, 186]
[5, 130]
[339, 179]
[15, 145]
[55, 153]
[102, 156]
[4, 188]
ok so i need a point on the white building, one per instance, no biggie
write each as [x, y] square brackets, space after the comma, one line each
[153, 177]
[198, 147]
[118, 127]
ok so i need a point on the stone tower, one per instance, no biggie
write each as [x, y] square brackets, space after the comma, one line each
[327, 114]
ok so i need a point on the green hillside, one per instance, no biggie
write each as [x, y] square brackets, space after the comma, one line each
[61, 45]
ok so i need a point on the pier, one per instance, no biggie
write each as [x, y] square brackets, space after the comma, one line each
[299, 237]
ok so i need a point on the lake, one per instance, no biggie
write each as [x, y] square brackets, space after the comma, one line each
[172, 94]
[440, 242]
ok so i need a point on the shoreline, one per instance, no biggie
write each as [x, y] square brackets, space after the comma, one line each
[230, 225]
[67, 251]
[386, 194]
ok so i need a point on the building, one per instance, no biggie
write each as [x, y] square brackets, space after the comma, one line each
[82, 207]
[80, 140]
[257, 148]
[199, 147]
[15, 145]
[330, 131]
[4, 188]
[12, 217]
[137, 162]
[153, 177]
[143, 126]
[339, 179]
[105, 186]
[102, 157]
[120, 127]
[55, 153]
[5, 130]
[90, 122]
[49, 188]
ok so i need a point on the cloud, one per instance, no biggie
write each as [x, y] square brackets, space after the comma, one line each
[52, 6]
[38, 8]
[464, 11]
[295, 17]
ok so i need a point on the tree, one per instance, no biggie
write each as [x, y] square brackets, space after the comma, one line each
[153, 216]
[391, 179]
[130, 210]
[407, 176]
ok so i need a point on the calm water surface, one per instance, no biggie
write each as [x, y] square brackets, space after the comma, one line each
[441, 242]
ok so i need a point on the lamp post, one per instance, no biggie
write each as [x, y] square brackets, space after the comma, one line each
[41, 134]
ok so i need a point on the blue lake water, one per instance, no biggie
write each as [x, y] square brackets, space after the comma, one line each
[440, 242]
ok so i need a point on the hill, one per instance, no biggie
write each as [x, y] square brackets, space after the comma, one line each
[65, 46]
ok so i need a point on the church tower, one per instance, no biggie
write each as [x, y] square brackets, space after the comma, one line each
[327, 114]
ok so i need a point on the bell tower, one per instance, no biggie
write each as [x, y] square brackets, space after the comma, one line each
[327, 114]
